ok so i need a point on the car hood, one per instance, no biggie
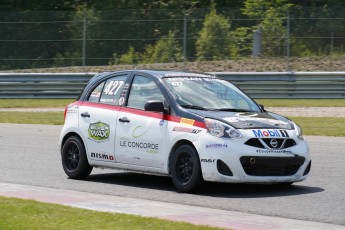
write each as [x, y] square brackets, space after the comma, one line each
[248, 120]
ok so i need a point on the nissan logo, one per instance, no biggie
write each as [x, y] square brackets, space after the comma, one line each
[274, 143]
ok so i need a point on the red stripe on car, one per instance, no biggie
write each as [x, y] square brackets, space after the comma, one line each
[161, 116]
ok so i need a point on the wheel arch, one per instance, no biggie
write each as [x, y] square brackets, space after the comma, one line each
[68, 135]
[173, 149]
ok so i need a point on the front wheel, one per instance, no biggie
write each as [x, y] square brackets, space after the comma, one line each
[74, 161]
[185, 169]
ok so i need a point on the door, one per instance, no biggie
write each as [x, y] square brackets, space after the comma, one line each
[98, 119]
[140, 134]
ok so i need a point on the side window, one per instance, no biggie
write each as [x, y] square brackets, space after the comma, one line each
[112, 90]
[143, 89]
[96, 93]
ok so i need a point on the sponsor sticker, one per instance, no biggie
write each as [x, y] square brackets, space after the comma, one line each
[265, 151]
[148, 147]
[207, 160]
[270, 133]
[139, 132]
[99, 132]
[186, 130]
[108, 100]
[213, 146]
[187, 121]
[102, 156]
[72, 108]
[187, 76]
[121, 100]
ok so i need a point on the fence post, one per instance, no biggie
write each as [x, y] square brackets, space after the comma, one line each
[288, 41]
[84, 39]
[257, 40]
[185, 36]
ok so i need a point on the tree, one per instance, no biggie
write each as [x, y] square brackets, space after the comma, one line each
[166, 49]
[214, 38]
[273, 16]
[131, 57]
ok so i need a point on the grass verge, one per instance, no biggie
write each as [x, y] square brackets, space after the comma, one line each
[321, 126]
[45, 118]
[301, 102]
[314, 126]
[29, 103]
[25, 214]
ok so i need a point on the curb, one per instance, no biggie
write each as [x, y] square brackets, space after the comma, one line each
[163, 210]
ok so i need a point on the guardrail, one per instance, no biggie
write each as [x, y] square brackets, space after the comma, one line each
[256, 84]
[288, 84]
[42, 85]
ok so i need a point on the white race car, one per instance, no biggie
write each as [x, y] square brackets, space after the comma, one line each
[190, 126]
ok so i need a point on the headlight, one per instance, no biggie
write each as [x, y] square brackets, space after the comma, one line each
[299, 131]
[220, 129]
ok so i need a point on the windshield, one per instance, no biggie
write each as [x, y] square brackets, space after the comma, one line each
[209, 94]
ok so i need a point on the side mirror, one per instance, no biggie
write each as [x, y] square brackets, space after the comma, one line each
[154, 106]
[262, 107]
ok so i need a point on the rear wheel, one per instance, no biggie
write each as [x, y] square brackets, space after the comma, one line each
[74, 161]
[185, 169]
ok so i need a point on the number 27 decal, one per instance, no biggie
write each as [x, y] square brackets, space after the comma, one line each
[113, 87]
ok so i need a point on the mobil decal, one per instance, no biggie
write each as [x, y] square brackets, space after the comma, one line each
[270, 133]
[99, 132]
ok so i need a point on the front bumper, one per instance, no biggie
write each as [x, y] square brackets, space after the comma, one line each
[232, 161]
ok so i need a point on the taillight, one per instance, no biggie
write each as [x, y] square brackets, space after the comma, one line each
[64, 115]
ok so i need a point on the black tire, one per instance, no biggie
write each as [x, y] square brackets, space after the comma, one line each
[185, 169]
[74, 161]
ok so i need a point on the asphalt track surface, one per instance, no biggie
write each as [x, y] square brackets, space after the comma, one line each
[30, 156]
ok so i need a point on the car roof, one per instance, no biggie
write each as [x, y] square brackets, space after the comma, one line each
[161, 73]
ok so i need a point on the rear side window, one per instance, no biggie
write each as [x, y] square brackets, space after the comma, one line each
[96, 93]
[109, 91]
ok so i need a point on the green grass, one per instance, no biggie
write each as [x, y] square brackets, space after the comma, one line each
[24, 214]
[321, 126]
[315, 126]
[27, 103]
[301, 102]
[46, 118]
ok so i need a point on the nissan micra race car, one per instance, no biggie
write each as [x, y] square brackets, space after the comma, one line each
[190, 126]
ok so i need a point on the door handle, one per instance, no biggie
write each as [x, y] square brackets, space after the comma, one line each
[85, 114]
[124, 119]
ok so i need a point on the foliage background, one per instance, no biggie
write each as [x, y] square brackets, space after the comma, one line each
[41, 34]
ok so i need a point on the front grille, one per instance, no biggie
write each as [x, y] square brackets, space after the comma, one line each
[261, 142]
[271, 166]
[255, 142]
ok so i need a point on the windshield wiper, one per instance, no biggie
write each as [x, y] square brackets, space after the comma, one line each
[193, 107]
[233, 110]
